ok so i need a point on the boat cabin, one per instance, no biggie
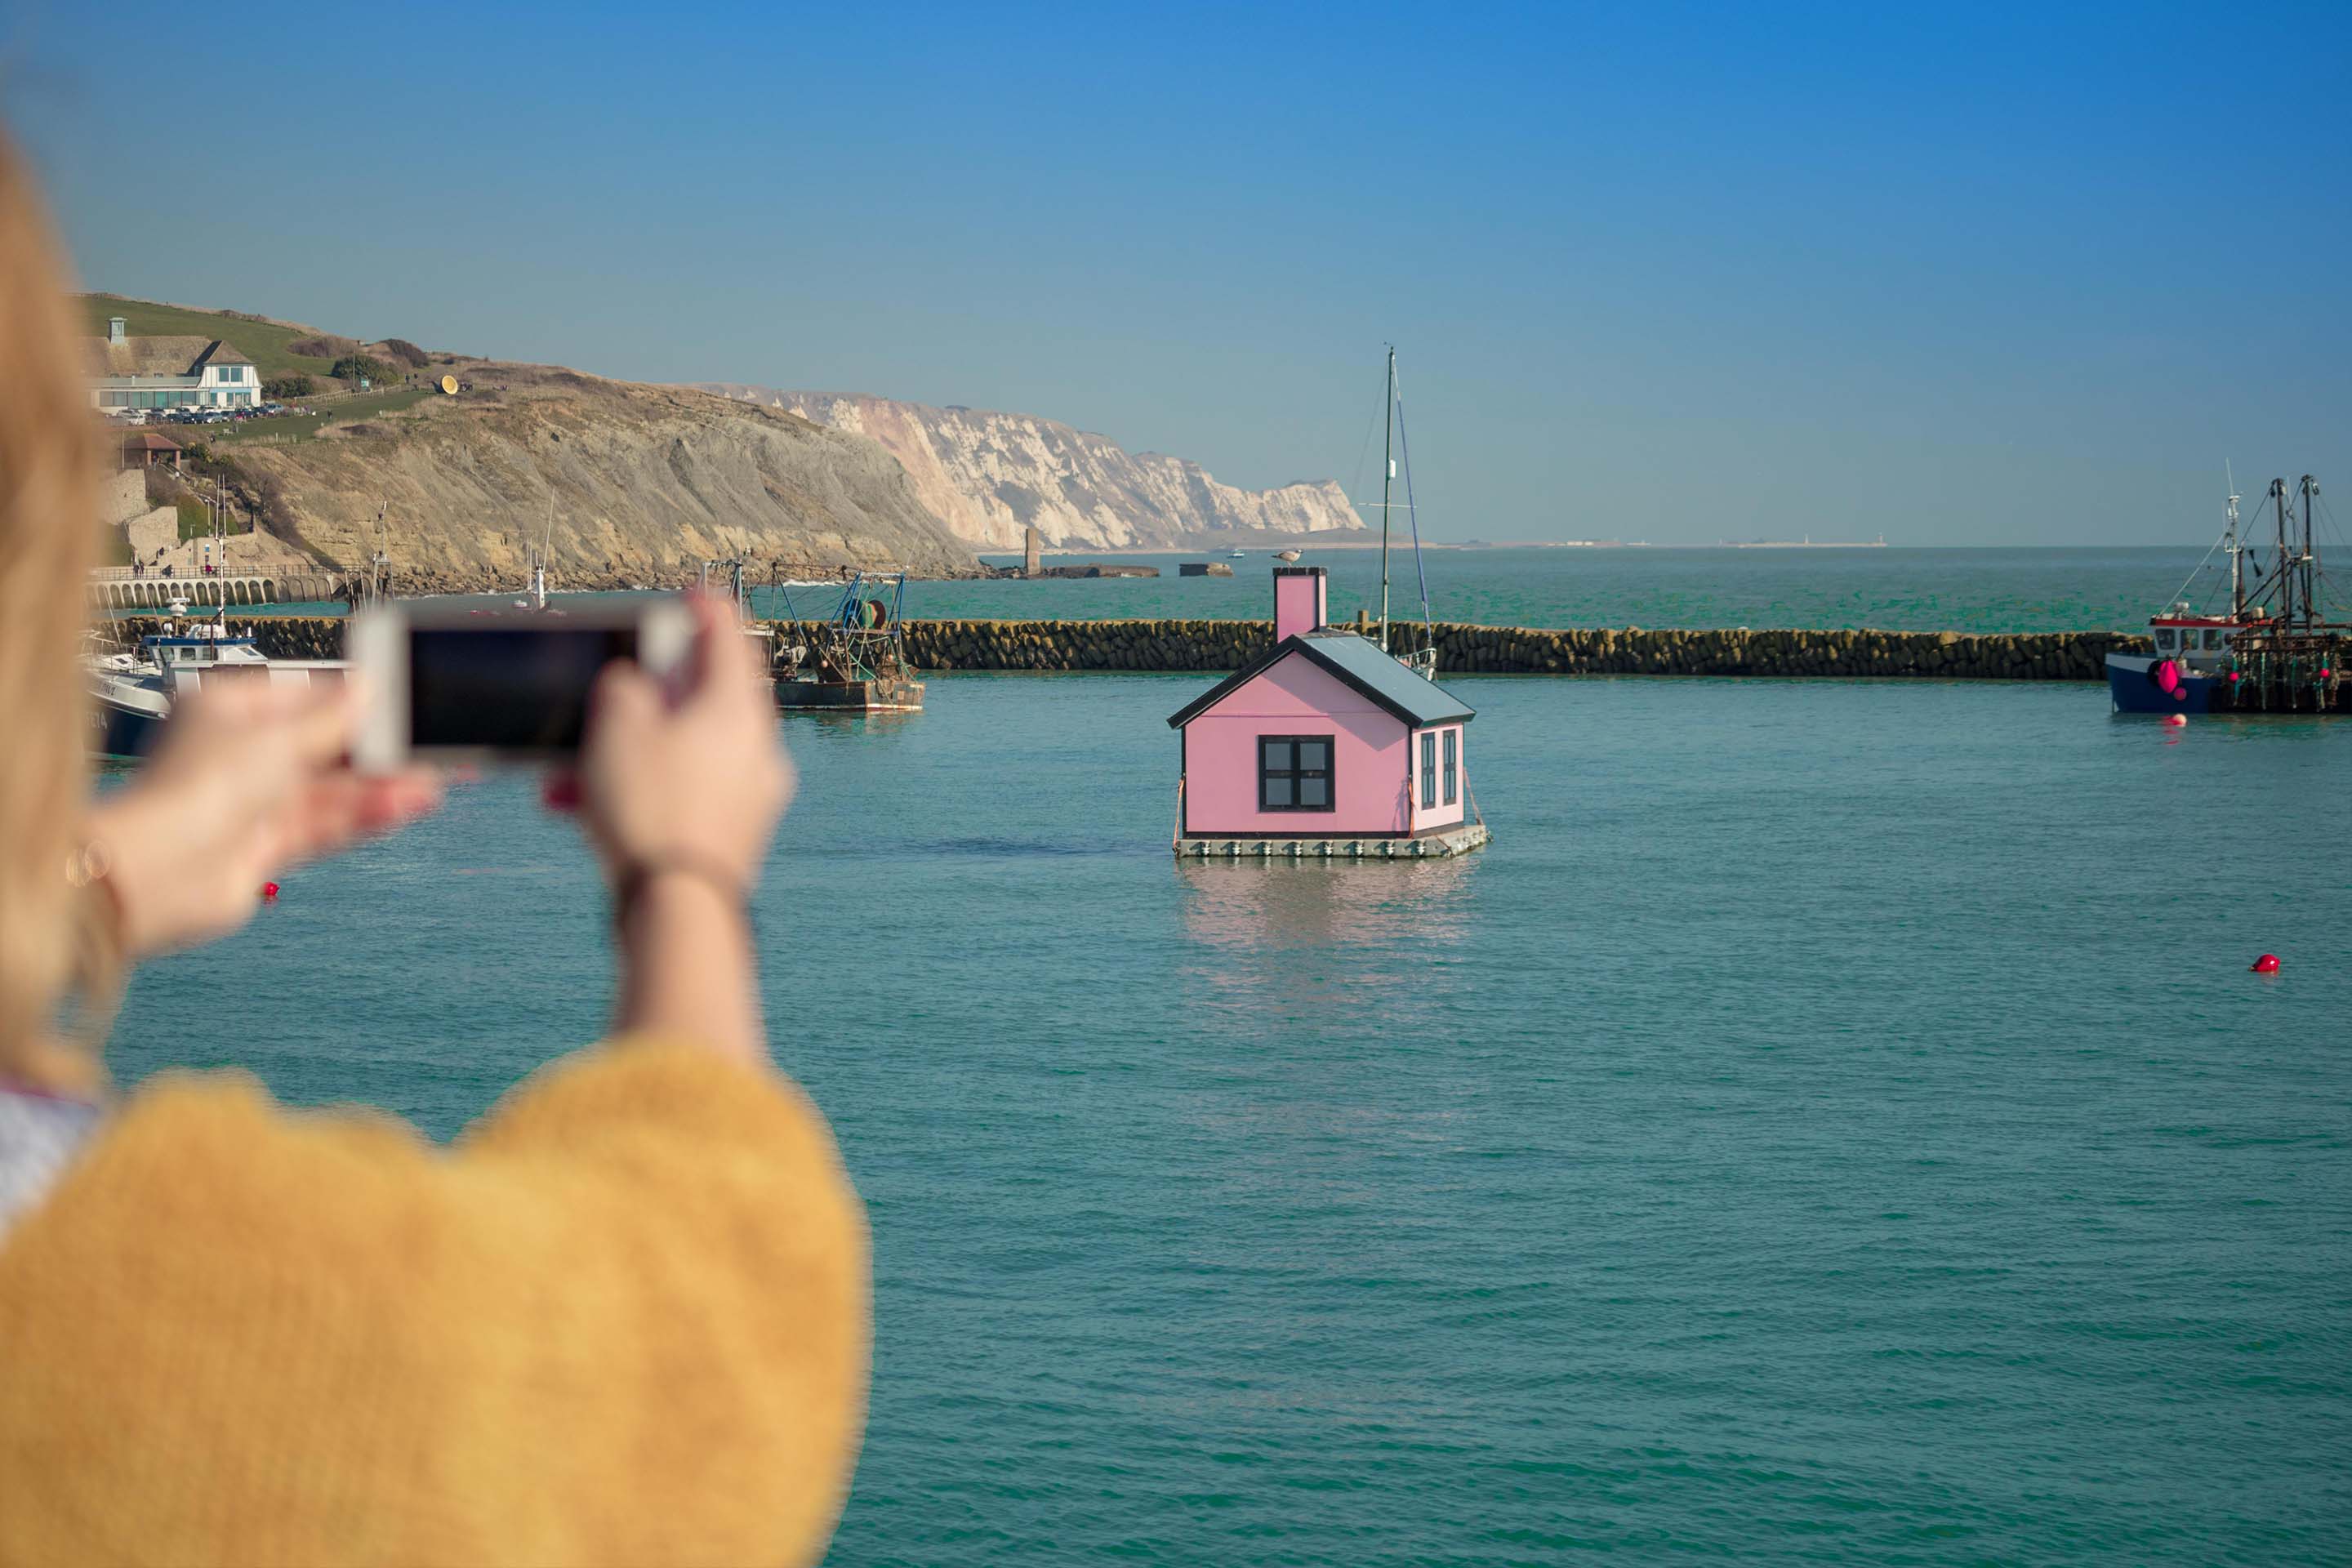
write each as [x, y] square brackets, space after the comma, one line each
[205, 654]
[200, 646]
[1324, 745]
[2200, 642]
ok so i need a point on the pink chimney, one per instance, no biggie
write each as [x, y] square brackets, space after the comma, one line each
[1299, 605]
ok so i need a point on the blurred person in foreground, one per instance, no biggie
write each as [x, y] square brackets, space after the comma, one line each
[623, 1320]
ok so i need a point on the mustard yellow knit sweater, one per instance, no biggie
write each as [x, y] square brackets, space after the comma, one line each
[623, 1321]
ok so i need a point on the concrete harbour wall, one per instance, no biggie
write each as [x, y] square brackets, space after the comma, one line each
[117, 590]
[1209, 646]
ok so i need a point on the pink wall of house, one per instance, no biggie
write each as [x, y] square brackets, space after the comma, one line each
[1296, 697]
[1440, 815]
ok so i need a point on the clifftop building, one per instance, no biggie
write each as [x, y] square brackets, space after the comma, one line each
[169, 373]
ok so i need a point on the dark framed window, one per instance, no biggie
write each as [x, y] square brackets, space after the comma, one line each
[1428, 770]
[1294, 772]
[1452, 737]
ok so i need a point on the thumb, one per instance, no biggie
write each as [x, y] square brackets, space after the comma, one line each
[624, 703]
[323, 718]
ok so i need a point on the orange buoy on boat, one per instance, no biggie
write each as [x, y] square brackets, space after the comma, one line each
[2266, 964]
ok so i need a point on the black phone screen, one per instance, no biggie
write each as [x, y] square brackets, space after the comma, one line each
[507, 689]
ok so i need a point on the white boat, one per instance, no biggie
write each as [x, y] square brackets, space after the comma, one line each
[1238, 555]
[132, 692]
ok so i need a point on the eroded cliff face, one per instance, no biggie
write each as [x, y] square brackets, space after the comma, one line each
[988, 475]
[644, 484]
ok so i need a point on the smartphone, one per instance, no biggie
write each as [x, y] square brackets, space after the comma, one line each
[497, 684]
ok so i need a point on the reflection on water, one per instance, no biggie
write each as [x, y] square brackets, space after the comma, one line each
[1257, 906]
[832, 725]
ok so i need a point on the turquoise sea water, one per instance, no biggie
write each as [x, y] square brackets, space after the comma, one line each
[1890, 589]
[1833, 1124]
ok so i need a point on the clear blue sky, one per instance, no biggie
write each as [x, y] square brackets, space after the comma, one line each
[1961, 274]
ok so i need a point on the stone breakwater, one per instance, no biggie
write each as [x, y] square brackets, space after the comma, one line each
[279, 637]
[1210, 646]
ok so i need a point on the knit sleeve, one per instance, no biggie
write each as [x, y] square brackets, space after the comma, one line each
[623, 1320]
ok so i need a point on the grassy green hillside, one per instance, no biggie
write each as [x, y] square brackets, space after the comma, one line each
[263, 342]
[294, 427]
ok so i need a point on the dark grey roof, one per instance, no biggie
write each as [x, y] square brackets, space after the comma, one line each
[217, 352]
[1356, 660]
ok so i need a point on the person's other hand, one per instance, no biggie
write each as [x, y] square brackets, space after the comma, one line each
[702, 779]
[250, 779]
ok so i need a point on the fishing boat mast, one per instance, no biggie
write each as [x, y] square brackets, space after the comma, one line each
[2285, 555]
[1388, 478]
[2230, 543]
[2310, 563]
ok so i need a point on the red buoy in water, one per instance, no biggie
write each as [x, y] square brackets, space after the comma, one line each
[2266, 964]
[2175, 721]
[269, 892]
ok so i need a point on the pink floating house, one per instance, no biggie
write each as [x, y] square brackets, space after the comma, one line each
[1323, 746]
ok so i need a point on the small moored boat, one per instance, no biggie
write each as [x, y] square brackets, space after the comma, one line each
[132, 690]
[854, 661]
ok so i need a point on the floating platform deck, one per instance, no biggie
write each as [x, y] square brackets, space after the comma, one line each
[1427, 846]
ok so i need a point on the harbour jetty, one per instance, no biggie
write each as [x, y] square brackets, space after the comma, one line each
[1204, 647]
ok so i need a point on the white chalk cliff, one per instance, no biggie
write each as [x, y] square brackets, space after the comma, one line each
[988, 475]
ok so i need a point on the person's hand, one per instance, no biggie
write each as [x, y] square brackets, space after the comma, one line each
[250, 779]
[698, 780]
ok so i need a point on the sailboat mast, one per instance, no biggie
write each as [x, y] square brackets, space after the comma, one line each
[1388, 478]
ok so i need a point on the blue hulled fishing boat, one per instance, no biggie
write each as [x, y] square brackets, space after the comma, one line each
[2272, 651]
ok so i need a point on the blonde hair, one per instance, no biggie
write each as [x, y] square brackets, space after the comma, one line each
[49, 457]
